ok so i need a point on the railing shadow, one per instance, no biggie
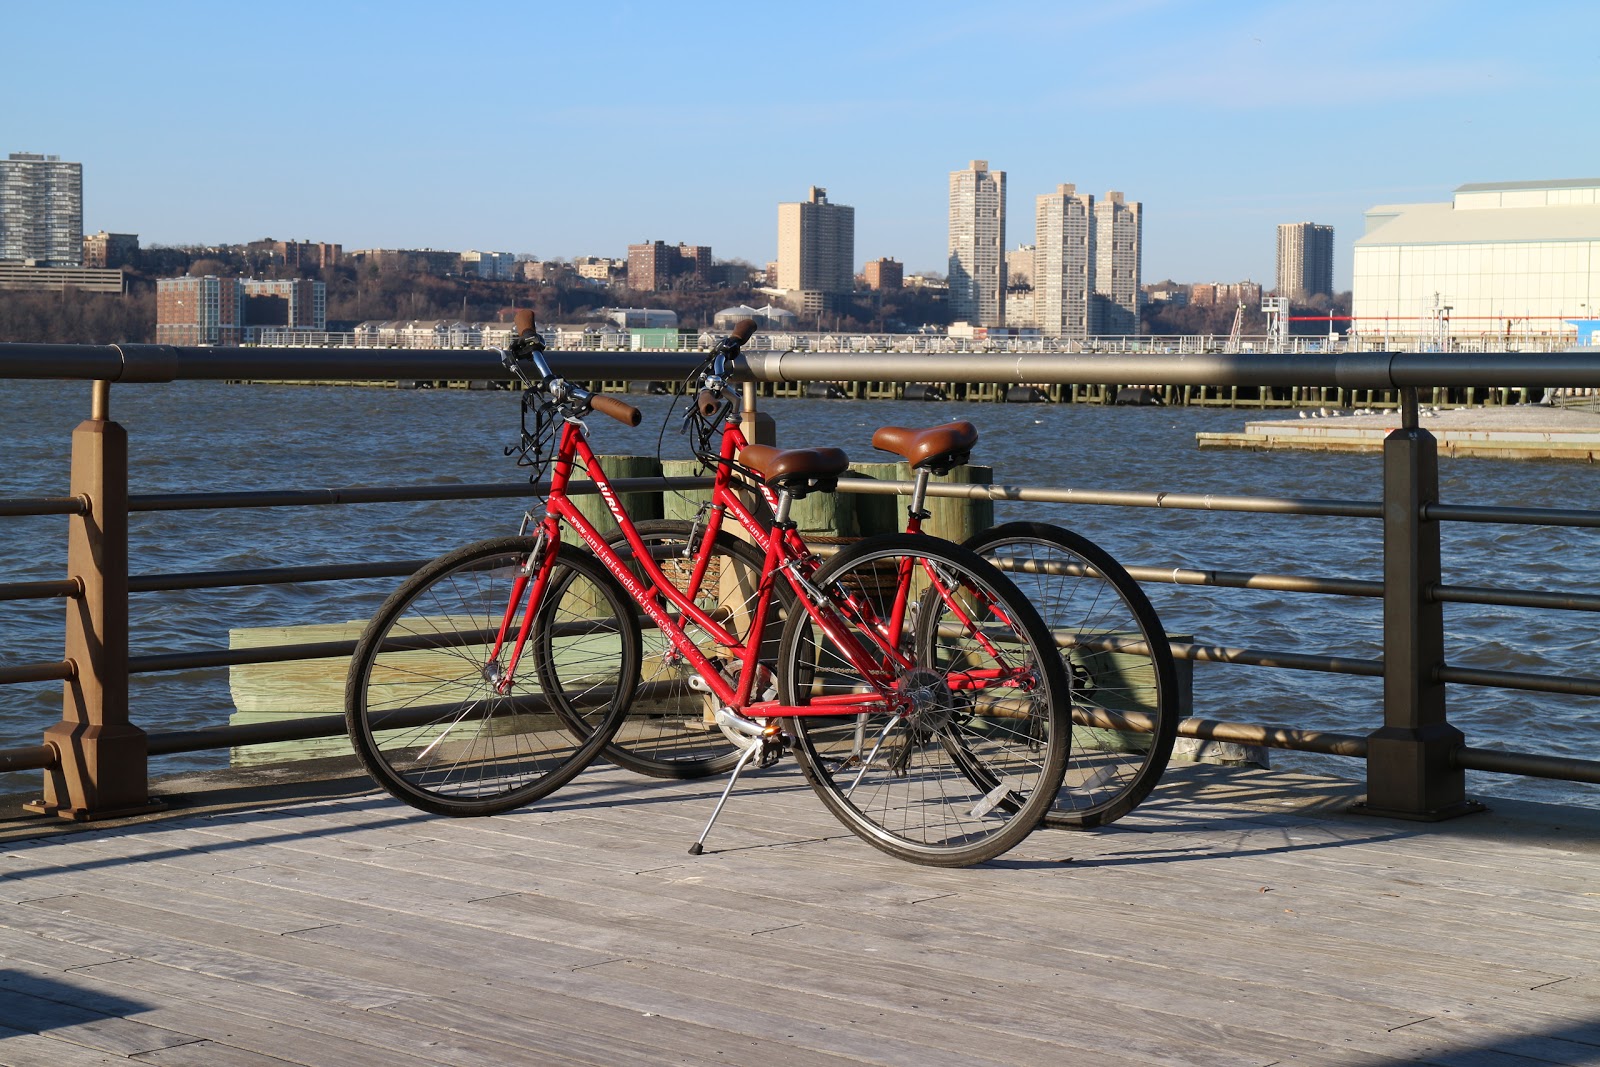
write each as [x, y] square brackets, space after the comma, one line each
[36, 1004]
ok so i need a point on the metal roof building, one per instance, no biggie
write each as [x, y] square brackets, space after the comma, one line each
[1498, 262]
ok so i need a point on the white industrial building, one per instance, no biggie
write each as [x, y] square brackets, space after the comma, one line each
[1498, 263]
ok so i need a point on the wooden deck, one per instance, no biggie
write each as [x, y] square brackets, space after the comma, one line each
[1238, 918]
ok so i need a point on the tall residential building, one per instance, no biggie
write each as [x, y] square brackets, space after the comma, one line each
[817, 245]
[298, 303]
[110, 250]
[41, 210]
[1305, 260]
[228, 311]
[885, 273]
[1064, 263]
[198, 311]
[977, 245]
[650, 266]
[1118, 244]
[654, 264]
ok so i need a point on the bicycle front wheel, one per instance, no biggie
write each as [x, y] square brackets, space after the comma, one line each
[1125, 705]
[430, 712]
[961, 742]
[670, 731]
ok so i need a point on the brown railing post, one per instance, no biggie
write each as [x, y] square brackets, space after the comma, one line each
[101, 758]
[1411, 773]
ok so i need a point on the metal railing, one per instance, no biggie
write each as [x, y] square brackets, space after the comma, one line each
[96, 759]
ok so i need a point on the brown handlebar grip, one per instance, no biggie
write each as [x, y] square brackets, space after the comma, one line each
[707, 403]
[524, 322]
[622, 411]
[744, 330]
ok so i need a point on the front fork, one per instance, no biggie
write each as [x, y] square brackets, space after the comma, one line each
[535, 570]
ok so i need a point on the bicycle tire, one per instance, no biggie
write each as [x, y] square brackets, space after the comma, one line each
[969, 772]
[670, 731]
[421, 706]
[1119, 662]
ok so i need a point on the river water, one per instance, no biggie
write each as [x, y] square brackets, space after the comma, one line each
[209, 437]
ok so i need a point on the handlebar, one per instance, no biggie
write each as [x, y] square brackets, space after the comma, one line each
[712, 402]
[526, 344]
[620, 410]
[727, 349]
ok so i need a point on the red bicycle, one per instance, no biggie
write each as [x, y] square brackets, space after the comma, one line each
[1124, 704]
[918, 690]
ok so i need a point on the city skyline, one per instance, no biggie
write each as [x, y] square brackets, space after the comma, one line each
[574, 139]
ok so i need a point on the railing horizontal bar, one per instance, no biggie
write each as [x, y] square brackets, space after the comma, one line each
[1337, 744]
[231, 657]
[1282, 583]
[1293, 583]
[1521, 680]
[1355, 509]
[303, 728]
[312, 727]
[53, 590]
[38, 672]
[1515, 598]
[44, 505]
[1244, 733]
[1512, 516]
[1527, 763]
[152, 583]
[1363, 370]
[389, 494]
[166, 363]
[284, 653]
[1255, 657]
[1357, 370]
[32, 758]
[1333, 744]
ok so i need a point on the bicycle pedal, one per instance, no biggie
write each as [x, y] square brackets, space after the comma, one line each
[772, 749]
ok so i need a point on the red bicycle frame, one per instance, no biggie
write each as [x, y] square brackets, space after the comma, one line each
[654, 593]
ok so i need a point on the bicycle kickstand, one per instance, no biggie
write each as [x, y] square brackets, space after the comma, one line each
[765, 748]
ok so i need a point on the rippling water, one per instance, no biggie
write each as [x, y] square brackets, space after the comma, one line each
[203, 436]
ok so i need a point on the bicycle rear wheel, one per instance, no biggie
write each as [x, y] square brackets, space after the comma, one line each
[965, 751]
[670, 731]
[428, 712]
[1125, 705]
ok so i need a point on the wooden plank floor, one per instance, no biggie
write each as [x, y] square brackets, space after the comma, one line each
[1239, 917]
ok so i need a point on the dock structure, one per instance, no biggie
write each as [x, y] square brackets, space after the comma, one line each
[1522, 432]
[1238, 917]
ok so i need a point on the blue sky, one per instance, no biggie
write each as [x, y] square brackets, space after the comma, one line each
[576, 129]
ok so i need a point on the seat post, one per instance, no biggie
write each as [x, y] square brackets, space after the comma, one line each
[919, 496]
[785, 502]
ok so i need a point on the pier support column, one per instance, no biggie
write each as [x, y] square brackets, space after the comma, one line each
[1411, 771]
[102, 759]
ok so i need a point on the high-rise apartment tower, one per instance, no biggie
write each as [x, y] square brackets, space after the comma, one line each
[41, 210]
[817, 245]
[1064, 262]
[1118, 240]
[977, 245]
[1305, 260]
